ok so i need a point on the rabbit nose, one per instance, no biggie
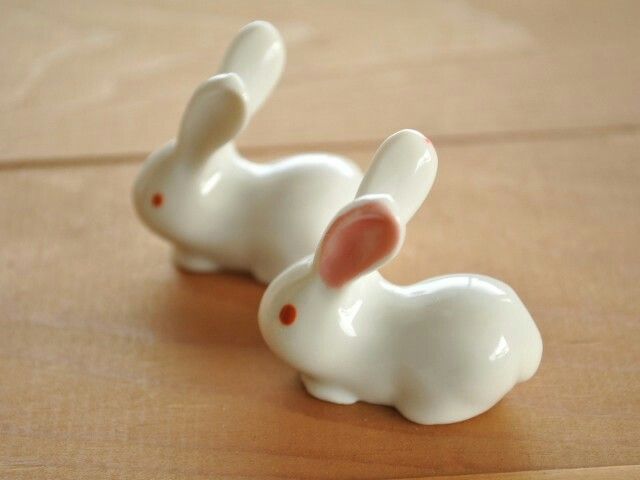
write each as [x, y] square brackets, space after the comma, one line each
[288, 314]
[157, 200]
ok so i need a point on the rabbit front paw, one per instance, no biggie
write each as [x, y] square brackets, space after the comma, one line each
[193, 263]
[328, 392]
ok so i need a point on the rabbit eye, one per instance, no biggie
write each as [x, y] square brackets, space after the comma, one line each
[288, 314]
[157, 200]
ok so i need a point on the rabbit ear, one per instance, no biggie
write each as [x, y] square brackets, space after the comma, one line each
[257, 55]
[363, 236]
[214, 116]
[404, 167]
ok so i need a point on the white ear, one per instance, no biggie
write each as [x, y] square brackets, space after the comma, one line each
[404, 167]
[214, 116]
[257, 55]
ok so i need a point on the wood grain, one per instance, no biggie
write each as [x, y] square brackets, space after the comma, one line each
[115, 365]
[88, 78]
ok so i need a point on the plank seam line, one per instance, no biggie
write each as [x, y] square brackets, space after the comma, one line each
[444, 140]
[498, 475]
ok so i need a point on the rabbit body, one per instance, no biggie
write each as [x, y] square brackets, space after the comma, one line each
[440, 351]
[220, 210]
[239, 215]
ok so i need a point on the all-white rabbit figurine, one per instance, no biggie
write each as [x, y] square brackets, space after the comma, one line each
[218, 209]
[440, 351]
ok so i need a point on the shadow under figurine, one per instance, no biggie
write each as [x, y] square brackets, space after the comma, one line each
[221, 211]
[440, 351]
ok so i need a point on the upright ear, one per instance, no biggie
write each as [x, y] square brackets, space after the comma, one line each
[362, 237]
[214, 116]
[404, 167]
[257, 55]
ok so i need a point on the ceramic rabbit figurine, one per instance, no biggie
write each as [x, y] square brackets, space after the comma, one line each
[440, 351]
[218, 209]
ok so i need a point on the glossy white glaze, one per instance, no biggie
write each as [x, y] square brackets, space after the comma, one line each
[440, 351]
[220, 210]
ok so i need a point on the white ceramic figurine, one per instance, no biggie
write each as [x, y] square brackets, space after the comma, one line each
[218, 209]
[440, 351]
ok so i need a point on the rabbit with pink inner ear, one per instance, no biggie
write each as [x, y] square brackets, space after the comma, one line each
[220, 210]
[440, 351]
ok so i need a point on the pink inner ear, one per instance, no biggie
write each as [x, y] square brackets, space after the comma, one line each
[357, 240]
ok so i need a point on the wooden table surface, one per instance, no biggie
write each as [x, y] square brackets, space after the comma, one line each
[115, 365]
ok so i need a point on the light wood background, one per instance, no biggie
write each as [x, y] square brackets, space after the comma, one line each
[114, 365]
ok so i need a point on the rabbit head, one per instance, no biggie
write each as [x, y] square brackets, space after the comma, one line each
[316, 300]
[166, 192]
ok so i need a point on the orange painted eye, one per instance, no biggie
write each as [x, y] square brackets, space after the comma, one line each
[157, 200]
[288, 314]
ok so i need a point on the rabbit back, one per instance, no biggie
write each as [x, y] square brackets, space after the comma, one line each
[465, 341]
[298, 196]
